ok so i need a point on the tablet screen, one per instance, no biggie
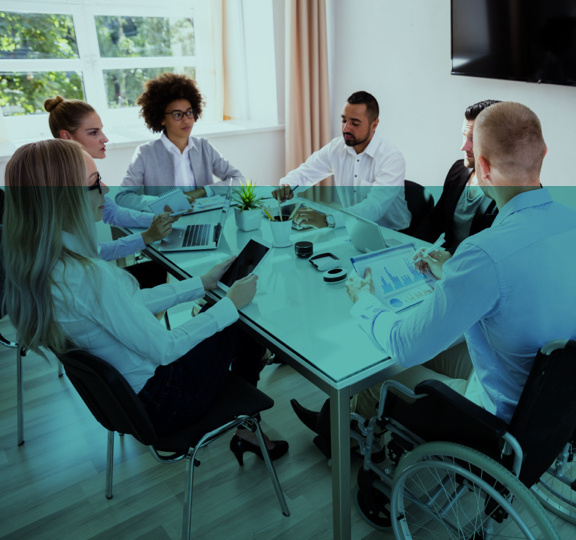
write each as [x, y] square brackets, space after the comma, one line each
[245, 263]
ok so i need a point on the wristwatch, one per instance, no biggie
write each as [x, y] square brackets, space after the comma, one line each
[330, 220]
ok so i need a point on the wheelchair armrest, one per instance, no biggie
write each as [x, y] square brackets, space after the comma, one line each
[439, 392]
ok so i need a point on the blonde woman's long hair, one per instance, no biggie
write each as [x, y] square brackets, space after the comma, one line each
[45, 195]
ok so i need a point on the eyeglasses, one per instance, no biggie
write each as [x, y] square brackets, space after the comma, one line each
[178, 115]
[96, 185]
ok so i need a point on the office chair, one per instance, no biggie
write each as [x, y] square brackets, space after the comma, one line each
[420, 203]
[115, 405]
[455, 469]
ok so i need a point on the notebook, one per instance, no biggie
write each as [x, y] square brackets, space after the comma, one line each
[174, 198]
[204, 233]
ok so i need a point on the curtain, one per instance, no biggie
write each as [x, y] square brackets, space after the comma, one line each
[210, 66]
[307, 89]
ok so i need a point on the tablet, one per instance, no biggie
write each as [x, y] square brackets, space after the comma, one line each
[397, 283]
[246, 263]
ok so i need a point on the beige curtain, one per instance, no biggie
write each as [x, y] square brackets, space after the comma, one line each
[210, 58]
[307, 90]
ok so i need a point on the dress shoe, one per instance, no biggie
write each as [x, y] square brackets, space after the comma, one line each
[238, 446]
[307, 417]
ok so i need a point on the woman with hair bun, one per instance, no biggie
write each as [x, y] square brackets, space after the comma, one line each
[171, 104]
[76, 120]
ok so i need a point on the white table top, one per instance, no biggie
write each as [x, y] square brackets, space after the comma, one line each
[293, 303]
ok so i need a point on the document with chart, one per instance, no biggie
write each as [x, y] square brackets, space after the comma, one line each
[398, 285]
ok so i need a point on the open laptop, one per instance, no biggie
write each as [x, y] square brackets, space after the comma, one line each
[365, 235]
[204, 233]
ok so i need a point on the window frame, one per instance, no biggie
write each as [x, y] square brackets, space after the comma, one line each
[90, 64]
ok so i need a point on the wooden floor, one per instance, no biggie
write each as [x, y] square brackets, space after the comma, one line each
[52, 487]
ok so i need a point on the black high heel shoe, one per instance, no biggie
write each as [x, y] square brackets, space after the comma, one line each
[238, 446]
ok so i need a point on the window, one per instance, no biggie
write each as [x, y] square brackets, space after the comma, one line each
[101, 52]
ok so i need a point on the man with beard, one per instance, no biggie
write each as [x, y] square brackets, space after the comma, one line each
[368, 171]
[462, 209]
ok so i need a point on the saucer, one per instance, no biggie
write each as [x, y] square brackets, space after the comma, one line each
[283, 245]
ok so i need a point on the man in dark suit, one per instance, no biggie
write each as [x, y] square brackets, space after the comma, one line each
[462, 209]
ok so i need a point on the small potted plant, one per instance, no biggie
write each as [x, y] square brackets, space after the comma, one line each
[247, 213]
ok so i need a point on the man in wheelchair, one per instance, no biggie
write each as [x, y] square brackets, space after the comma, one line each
[508, 290]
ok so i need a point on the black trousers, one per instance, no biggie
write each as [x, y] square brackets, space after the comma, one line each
[185, 389]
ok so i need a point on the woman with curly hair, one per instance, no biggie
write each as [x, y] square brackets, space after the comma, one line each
[170, 104]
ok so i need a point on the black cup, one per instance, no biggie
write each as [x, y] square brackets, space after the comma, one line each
[304, 249]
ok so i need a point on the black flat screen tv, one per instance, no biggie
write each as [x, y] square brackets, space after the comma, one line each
[520, 40]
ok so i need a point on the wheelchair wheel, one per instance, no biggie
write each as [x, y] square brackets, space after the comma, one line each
[444, 491]
[372, 500]
[554, 489]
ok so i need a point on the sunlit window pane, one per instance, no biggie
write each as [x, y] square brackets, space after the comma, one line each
[24, 93]
[123, 86]
[36, 36]
[120, 37]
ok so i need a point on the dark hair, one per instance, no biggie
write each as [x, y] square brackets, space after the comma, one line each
[473, 111]
[165, 89]
[364, 98]
[66, 114]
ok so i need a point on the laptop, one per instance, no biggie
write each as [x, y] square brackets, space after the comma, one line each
[204, 233]
[366, 235]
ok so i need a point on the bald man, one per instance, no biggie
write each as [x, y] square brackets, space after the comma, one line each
[509, 289]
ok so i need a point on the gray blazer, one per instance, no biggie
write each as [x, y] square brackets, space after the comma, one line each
[151, 172]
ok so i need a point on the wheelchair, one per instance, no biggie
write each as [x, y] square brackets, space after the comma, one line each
[437, 466]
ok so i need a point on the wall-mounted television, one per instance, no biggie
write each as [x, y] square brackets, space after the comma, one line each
[521, 40]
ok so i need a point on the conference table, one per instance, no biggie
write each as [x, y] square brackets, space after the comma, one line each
[307, 321]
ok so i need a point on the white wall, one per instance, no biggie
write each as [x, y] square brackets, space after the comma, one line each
[400, 52]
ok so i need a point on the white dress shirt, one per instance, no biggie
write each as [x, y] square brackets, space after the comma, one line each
[370, 184]
[183, 173]
[102, 310]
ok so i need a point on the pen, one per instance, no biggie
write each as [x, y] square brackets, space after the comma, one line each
[294, 211]
[268, 214]
[279, 211]
[433, 247]
[178, 213]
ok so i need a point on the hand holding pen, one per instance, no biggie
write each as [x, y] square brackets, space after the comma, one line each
[284, 192]
[432, 259]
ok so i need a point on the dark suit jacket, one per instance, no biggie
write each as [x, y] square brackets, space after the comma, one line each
[440, 219]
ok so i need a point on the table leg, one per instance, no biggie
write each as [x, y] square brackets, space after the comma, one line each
[340, 441]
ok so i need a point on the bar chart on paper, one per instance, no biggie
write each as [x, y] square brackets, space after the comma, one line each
[397, 284]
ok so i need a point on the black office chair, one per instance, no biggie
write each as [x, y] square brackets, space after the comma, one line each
[443, 448]
[115, 405]
[420, 203]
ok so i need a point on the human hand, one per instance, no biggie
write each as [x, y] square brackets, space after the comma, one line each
[283, 193]
[434, 261]
[210, 279]
[195, 194]
[160, 227]
[357, 286]
[243, 291]
[307, 216]
[170, 212]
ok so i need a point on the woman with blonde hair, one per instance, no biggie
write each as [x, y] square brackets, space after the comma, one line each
[58, 290]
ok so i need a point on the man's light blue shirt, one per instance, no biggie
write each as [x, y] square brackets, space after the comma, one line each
[509, 289]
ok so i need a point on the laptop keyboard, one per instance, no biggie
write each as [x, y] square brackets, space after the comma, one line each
[197, 235]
